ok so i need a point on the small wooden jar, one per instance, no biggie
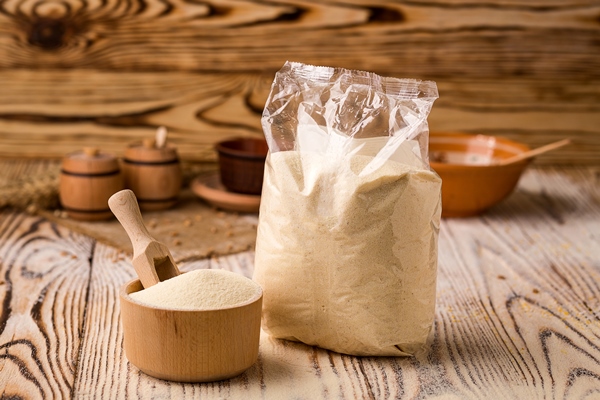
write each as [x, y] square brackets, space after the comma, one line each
[88, 178]
[153, 174]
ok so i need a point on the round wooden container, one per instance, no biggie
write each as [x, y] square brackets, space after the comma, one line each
[153, 174]
[88, 178]
[189, 345]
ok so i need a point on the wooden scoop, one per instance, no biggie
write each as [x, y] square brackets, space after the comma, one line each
[152, 260]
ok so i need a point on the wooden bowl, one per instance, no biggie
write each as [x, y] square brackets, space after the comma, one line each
[242, 164]
[190, 346]
[471, 183]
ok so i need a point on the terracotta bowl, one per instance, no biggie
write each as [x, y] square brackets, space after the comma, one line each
[471, 182]
[242, 164]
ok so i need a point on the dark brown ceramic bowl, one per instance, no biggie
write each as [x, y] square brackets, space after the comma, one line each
[242, 164]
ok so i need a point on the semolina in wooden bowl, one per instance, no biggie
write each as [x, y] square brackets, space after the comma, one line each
[472, 180]
[202, 345]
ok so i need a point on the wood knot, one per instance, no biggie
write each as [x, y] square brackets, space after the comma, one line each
[386, 15]
[48, 33]
[294, 14]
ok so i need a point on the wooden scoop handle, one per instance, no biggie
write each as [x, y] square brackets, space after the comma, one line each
[125, 207]
[152, 260]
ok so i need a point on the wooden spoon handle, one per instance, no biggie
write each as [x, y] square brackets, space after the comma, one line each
[125, 207]
[535, 152]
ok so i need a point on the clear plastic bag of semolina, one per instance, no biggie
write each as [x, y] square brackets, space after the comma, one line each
[346, 250]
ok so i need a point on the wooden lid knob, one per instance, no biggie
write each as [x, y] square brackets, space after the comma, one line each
[149, 143]
[91, 151]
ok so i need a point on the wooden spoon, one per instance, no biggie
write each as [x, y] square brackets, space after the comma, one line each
[152, 260]
[534, 152]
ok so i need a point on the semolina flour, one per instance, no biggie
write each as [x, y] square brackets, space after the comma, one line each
[348, 260]
[346, 250]
[202, 289]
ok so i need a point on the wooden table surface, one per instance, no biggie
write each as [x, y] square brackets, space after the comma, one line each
[518, 313]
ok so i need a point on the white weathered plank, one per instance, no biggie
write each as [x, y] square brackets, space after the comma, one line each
[517, 315]
[44, 272]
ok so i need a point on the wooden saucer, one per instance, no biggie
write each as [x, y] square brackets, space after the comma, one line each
[209, 188]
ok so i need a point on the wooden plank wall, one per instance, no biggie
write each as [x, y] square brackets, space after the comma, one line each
[75, 73]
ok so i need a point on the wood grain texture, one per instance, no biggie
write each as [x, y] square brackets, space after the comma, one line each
[44, 273]
[496, 38]
[517, 315]
[110, 110]
[78, 73]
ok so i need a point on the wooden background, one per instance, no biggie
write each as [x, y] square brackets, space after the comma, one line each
[75, 73]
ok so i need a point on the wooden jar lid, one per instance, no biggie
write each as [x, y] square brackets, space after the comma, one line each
[90, 161]
[147, 153]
